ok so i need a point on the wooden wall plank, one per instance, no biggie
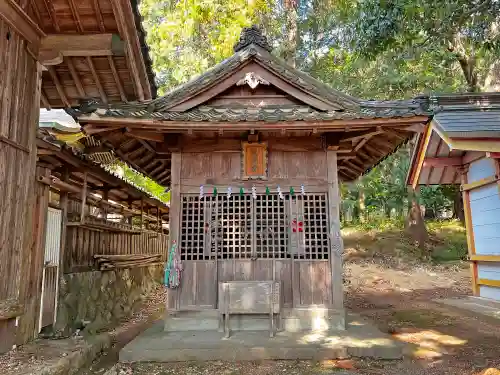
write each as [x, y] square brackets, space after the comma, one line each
[20, 78]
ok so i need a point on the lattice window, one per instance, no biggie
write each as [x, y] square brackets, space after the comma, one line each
[244, 227]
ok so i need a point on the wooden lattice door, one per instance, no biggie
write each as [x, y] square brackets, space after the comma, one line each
[243, 227]
[245, 238]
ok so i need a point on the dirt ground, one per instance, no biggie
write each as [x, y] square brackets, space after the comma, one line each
[399, 299]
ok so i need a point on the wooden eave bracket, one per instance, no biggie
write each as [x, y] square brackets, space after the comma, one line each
[54, 47]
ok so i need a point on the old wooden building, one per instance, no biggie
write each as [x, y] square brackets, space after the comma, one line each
[462, 146]
[54, 54]
[253, 151]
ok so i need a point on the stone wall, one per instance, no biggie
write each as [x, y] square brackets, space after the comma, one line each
[99, 299]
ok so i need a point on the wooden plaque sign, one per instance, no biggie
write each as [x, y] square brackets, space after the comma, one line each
[254, 160]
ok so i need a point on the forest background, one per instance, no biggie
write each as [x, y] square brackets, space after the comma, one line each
[371, 49]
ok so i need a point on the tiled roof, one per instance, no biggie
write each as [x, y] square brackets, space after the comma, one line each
[266, 114]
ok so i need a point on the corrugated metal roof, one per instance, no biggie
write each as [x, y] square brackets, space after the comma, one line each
[469, 123]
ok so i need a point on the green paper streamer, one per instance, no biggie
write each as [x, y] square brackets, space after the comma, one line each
[292, 192]
[267, 190]
[215, 191]
[242, 191]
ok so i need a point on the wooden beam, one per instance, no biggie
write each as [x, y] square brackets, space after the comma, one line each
[83, 45]
[97, 11]
[395, 133]
[59, 87]
[479, 183]
[356, 135]
[52, 14]
[45, 101]
[416, 128]
[485, 258]
[443, 161]
[116, 78]
[146, 135]
[157, 169]
[97, 81]
[469, 230]
[353, 166]
[185, 126]
[90, 129]
[336, 244]
[95, 150]
[76, 16]
[164, 179]
[125, 21]
[76, 79]
[362, 142]
[21, 23]
[489, 282]
[421, 156]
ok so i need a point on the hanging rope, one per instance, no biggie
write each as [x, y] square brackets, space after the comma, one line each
[173, 269]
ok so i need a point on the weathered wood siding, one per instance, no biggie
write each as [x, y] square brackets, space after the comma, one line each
[224, 168]
[485, 217]
[82, 244]
[32, 289]
[19, 110]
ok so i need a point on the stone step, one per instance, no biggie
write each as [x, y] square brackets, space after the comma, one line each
[361, 339]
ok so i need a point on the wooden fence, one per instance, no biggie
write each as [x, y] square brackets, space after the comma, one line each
[82, 244]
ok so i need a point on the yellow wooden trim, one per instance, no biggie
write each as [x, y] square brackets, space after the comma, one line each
[469, 144]
[469, 230]
[485, 258]
[489, 282]
[421, 156]
[479, 183]
[474, 145]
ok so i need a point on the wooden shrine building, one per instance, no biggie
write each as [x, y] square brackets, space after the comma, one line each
[461, 145]
[253, 151]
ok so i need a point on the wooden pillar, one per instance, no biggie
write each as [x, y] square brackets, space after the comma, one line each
[336, 242]
[64, 206]
[175, 213]
[469, 230]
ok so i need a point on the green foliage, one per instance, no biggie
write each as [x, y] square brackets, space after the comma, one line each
[461, 33]
[142, 182]
[451, 243]
[390, 49]
[190, 36]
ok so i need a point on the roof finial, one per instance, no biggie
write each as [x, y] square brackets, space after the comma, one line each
[252, 35]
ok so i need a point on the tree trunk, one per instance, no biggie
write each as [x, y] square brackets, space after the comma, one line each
[291, 19]
[362, 207]
[458, 207]
[415, 226]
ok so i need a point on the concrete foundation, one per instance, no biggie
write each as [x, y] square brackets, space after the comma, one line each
[360, 339]
[479, 307]
[292, 320]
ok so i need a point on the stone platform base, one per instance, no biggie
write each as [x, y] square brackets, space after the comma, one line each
[360, 339]
[292, 320]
